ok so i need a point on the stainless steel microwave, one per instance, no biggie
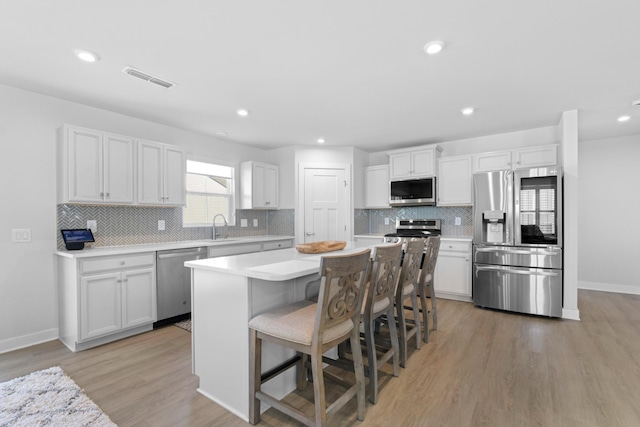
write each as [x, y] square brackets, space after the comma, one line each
[413, 192]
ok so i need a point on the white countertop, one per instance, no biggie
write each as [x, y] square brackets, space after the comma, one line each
[277, 265]
[152, 247]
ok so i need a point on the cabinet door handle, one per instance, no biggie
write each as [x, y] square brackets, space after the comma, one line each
[106, 195]
[309, 233]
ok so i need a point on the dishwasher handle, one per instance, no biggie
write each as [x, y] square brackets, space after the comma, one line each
[176, 254]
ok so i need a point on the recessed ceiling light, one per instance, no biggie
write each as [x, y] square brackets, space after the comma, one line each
[242, 112]
[467, 111]
[86, 55]
[433, 47]
[624, 118]
[321, 141]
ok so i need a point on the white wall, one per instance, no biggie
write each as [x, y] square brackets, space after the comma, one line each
[28, 299]
[609, 193]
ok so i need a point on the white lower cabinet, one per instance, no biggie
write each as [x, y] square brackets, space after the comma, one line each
[105, 298]
[452, 278]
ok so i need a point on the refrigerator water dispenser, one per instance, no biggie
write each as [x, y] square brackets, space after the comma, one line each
[494, 226]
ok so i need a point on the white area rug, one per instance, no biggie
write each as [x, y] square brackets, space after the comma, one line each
[48, 398]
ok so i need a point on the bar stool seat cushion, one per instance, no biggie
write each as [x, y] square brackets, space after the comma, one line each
[378, 306]
[408, 289]
[294, 322]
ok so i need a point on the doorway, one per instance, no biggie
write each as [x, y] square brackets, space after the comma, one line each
[324, 203]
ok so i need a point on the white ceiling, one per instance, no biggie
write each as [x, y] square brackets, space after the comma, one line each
[351, 71]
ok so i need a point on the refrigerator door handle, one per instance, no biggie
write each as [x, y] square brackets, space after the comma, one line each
[528, 272]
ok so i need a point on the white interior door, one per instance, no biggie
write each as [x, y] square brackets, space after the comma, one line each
[325, 204]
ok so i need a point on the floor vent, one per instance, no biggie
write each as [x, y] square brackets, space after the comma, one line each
[148, 77]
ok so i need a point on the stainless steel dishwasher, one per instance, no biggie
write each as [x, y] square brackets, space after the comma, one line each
[174, 283]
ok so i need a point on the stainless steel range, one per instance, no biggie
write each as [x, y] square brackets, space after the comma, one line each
[411, 228]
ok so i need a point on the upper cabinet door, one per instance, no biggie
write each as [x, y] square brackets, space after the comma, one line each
[376, 192]
[423, 163]
[546, 155]
[150, 173]
[454, 181]
[487, 162]
[118, 169]
[175, 186]
[84, 165]
[400, 165]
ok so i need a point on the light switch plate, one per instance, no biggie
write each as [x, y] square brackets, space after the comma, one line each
[386, 221]
[161, 224]
[21, 235]
[458, 220]
[244, 222]
[255, 222]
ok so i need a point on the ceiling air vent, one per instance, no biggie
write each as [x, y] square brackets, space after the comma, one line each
[148, 77]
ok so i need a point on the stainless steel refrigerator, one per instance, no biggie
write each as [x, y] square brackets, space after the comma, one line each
[517, 240]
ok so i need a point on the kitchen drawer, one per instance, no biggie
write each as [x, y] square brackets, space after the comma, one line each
[227, 250]
[93, 265]
[280, 244]
[453, 246]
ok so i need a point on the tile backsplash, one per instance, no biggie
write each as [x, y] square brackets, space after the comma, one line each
[373, 220]
[131, 225]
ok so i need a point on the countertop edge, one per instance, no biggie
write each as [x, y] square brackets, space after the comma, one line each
[162, 246]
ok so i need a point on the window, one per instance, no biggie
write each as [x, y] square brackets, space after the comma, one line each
[210, 191]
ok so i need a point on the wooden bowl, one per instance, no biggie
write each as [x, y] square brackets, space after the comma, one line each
[320, 247]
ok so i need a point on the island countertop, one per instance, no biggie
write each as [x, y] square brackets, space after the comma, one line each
[277, 265]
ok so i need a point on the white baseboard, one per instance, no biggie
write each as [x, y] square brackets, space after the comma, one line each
[608, 287]
[570, 314]
[28, 340]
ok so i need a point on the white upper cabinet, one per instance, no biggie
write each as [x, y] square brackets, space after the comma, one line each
[413, 163]
[545, 155]
[95, 167]
[454, 181]
[259, 186]
[161, 174]
[376, 181]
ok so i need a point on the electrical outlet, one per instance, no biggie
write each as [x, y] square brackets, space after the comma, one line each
[386, 221]
[255, 222]
[458, 220]
[161, 224]
[244, 222]
[92, 225]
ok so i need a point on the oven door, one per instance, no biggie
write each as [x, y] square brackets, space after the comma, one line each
[524, 290]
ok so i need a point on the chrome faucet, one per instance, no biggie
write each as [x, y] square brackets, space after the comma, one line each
[214, 233]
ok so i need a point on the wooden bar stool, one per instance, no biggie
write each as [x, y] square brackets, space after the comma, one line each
[426, 287]
[379, 302]
[407, 288]
[311, 329]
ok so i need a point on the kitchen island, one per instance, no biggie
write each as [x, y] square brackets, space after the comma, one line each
[226, 293]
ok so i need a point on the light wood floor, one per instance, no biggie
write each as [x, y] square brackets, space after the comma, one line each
[481, 368]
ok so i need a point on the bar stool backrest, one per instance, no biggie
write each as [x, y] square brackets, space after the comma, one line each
[343, 279]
